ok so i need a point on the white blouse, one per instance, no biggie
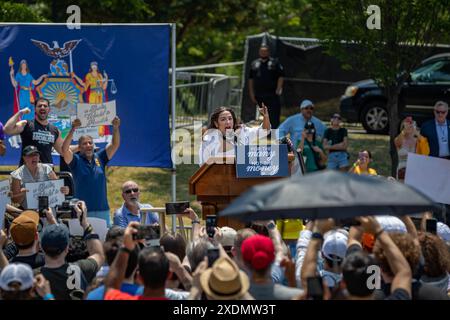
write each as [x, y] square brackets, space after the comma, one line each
[212, 141]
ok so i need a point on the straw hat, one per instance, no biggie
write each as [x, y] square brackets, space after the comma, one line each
[224, 281]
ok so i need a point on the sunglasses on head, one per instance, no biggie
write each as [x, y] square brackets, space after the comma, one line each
[440, 112]
[135, 190]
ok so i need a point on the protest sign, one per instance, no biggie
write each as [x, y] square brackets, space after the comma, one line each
[99, 226]
[89, 131]
[254, 161]
[4, 200]
[430, 175]
[95, 115]
[51, 189]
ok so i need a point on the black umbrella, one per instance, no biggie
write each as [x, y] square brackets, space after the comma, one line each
[327, 194]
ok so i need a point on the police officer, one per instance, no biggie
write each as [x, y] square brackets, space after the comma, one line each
[266, 83]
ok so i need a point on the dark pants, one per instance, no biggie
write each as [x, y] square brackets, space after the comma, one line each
[273, 105]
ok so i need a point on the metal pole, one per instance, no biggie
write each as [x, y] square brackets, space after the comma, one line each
[173, 101]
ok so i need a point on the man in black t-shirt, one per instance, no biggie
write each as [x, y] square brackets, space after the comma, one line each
[38, 132]
[266, 83]
[70, 280]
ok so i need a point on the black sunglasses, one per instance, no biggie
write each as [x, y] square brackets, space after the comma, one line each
[336, 117]
[440, 112]
[135, 190]
[308, 108]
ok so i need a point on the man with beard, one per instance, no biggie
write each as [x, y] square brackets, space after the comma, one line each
[131, 208]
[88, 169]
[38, 132]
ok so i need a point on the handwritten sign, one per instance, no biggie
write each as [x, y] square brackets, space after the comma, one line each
[4, 200]
[90, 131]
[253, 161]
[94, 115]
[51, 189]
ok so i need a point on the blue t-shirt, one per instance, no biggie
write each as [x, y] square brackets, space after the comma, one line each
[90, 180]
[130, 288]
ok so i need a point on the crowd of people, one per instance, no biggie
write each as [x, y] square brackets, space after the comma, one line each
[374, 257]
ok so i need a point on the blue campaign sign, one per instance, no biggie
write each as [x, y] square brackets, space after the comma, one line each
[127, 64]
[253, 161]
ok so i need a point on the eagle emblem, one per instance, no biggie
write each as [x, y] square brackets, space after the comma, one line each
[56, 52]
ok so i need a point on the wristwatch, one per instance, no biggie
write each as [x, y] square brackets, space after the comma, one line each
[125, 249]
[271, 225]
[317, 235]
[195, 221]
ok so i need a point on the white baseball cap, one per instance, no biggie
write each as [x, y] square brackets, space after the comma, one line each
[335, 244]
[443, 231]
[228, 236]
[391, 224]
[16, 272]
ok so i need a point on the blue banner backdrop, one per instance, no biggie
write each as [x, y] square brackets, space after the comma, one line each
[131, 63]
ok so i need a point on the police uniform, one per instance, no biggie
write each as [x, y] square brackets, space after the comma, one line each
[265, 75]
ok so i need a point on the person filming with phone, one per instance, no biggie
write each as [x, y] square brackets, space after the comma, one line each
[362, 165]
[409, 140]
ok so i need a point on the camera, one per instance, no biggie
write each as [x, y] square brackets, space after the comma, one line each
[67, 209]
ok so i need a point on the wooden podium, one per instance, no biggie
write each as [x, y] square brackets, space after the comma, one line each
[216, 186]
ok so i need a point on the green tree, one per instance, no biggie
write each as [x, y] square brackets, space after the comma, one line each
[15, 12]
[389, 54]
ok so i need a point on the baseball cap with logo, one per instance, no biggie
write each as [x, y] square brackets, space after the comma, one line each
[258, 251]
[16, 272]
[29, 150]
[55, 238]
[335, 244]
[23, 228]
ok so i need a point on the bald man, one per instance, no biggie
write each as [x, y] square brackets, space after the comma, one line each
[131, 208]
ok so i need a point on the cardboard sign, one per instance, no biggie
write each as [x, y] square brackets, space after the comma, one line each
[430, 175]
[253, 161]
[98, 224]
[95, 115]
[51, 189]
[89, 131]
[4, 200]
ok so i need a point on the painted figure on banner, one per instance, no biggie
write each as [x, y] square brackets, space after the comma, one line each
[24, 87]
[61, 86]
[95, 85]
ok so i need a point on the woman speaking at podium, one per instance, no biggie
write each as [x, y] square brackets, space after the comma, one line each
[224, 133]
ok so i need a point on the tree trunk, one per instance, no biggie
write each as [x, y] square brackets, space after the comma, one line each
[392, 93]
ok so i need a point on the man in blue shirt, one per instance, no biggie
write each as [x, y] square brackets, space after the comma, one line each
[88, 169]
[131, 208]
[295, 124]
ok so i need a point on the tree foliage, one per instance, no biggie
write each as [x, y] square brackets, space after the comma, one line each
[408, 30]
[14, 12]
